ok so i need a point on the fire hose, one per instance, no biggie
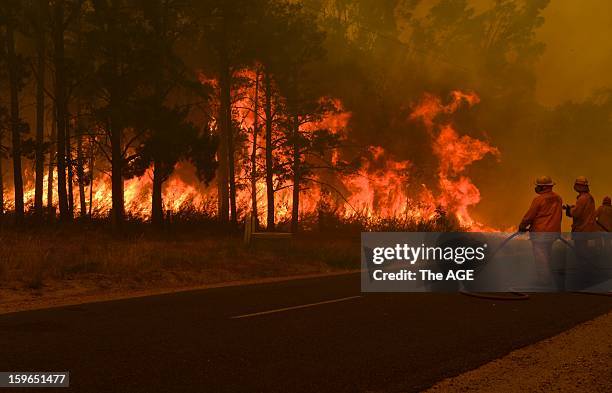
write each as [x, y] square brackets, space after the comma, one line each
[515, 294]
[586, 292]
[570, 245]
[521, 295]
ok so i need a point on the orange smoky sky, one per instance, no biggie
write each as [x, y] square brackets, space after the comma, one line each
[578, 55]
[578, 51]
[565, 132]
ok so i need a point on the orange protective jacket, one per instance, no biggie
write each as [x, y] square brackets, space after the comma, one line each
[604, 217]
[584, 214]
[544, 214]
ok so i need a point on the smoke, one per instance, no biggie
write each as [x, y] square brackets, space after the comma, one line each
[578, 55]
[541, 70]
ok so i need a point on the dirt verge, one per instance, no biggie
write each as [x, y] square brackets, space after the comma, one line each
[577, 360]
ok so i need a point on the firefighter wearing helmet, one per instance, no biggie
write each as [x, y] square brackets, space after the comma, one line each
[543, 221]
[544, 214]
[583, 216]
[583, 212]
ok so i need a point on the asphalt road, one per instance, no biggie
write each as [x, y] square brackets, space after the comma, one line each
[194, 342]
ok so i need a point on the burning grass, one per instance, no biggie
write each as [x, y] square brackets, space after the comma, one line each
[376, 192]
[379, 194]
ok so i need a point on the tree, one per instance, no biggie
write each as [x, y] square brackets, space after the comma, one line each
[162, 128]
[301, 101]
[4, 120]
[61, 116]
[11, 12]
[269, 41]
[80, 165]
[167, 137]
[226, 30]
[116, 36]
[78, 66]
[498, 45]
[39, 27]
[254, 175]
[269, 150]
[202, 154]
[50, 170]
[69, 164]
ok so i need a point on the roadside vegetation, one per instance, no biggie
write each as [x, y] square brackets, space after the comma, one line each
[91, 256]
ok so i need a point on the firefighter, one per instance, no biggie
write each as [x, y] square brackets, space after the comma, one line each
[543, 221]
[603, 218]
[603, 215]
[583, 215]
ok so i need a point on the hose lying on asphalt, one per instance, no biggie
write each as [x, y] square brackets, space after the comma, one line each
[593, 293]
[515, 295]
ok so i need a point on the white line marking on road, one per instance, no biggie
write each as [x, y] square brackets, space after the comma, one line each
[255, 314]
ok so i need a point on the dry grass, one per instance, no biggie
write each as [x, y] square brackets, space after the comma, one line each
[39, 259]
[49, 263]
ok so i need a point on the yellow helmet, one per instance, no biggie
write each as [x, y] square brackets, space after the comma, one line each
[544, 181]
[581, 180]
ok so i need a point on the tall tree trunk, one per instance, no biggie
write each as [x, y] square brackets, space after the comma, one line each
[81, 172]
[254, 151]
[157, 212]
[295, 207]
[15, 123]
[269, 147]
[91, 172]
[40, 112]
[60, 108]
[157, 204]
[223, 150]
[70, 166]
[232, 168]
[118, 209]
[116, 134]
[50, 175]
[1, 185]
[226, 146]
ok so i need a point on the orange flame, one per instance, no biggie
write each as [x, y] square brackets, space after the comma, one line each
[379, 189]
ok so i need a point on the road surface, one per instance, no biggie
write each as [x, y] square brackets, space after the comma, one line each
[313, 335]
